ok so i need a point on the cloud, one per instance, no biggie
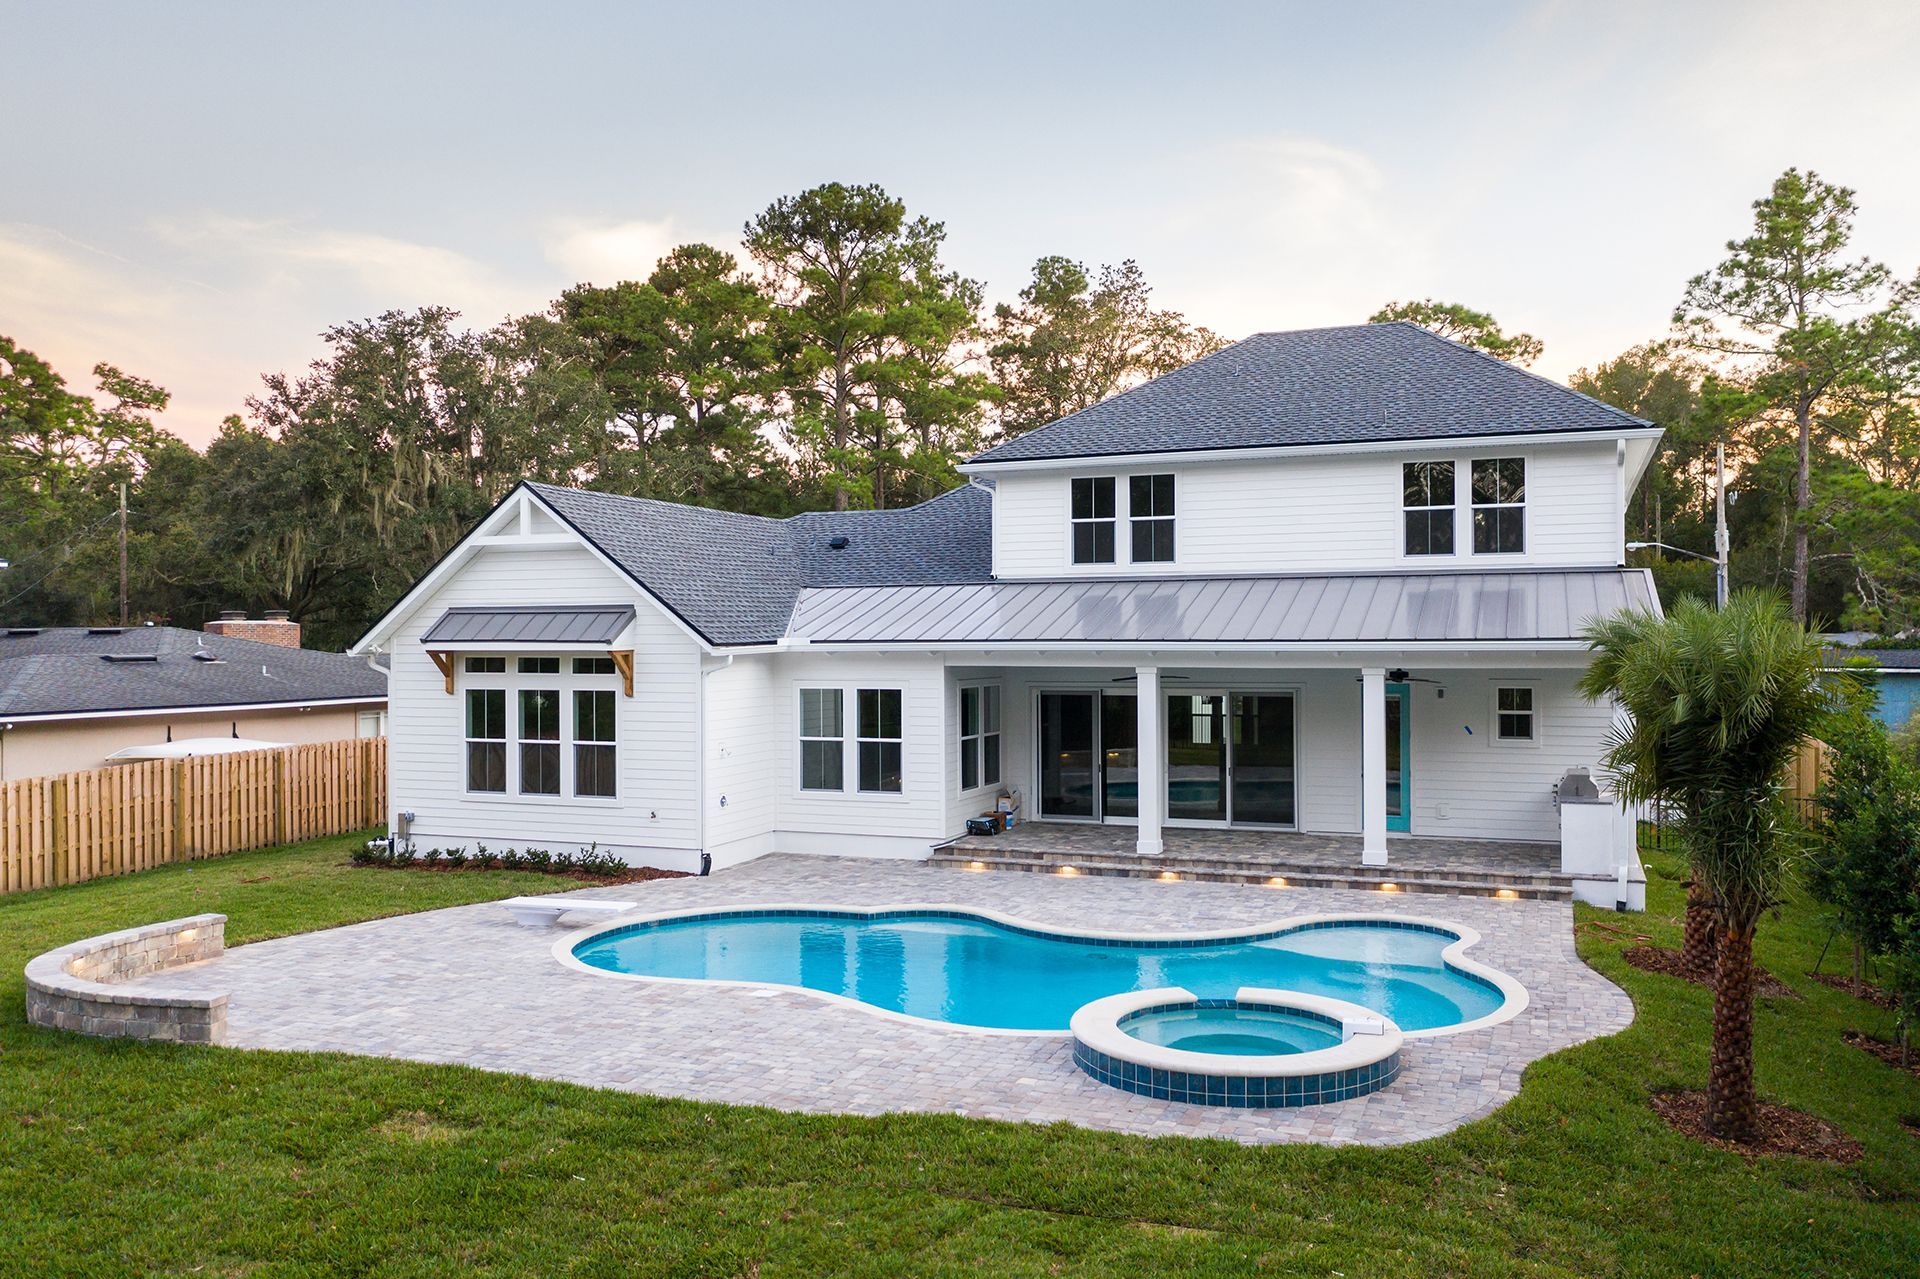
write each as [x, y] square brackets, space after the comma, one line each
[1279, 231]
[606, 252]
[367, 271]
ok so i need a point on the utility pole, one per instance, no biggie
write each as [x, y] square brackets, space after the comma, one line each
[1720, 524]
[123, 552]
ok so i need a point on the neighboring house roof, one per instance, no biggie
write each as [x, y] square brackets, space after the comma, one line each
[1903, 660]
[1538, 605]
[1357, 384]
[734, 578]
[72, 670]
[552, 624]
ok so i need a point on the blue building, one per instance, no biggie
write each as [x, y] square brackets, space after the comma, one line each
[1896, 679]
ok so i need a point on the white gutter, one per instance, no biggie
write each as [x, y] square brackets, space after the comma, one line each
[1230, 456]
[214, 709]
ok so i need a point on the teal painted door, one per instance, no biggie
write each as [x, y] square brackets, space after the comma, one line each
[1399, 758]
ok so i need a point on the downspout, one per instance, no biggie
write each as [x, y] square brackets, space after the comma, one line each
[706, 858]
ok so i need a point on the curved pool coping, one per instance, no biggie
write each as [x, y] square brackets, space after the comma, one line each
[1514, 997]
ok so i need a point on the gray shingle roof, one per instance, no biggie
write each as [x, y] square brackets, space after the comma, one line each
[554, 624]
[64, 670]
[1514, 605]
[734, 578]
[1361, 383]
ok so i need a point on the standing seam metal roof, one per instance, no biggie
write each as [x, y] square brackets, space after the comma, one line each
[1520, 605]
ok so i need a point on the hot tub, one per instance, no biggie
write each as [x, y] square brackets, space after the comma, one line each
[1262, 1049]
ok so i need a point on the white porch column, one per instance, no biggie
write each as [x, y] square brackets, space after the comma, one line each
[1373, 766]
[1151, 735]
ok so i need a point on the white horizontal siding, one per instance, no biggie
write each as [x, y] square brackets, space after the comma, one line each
[658, 728]
[1313, 514]
[743, 757]
[918, 812]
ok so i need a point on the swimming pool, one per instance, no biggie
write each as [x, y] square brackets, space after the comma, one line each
[968, 969]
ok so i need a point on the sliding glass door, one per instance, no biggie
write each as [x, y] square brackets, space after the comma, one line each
[1067, 759]
[1196, 757]
[1229, 757]
[1263, 769]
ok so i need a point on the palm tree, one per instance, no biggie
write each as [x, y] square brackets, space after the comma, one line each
[1634, 664]
[1720, 702]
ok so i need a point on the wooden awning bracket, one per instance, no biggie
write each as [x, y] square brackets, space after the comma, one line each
[623, 662]
[445, 662]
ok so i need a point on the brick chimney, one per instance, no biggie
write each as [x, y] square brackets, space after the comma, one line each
[274, 627]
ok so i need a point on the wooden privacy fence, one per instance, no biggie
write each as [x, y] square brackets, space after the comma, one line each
[108, 821]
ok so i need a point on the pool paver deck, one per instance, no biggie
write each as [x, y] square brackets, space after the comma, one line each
[469, 986]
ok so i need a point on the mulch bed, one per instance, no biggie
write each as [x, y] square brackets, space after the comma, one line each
[1783, 1130]
[631, 875]
[1889, 1053]
[1662, 959]
[1875, 995]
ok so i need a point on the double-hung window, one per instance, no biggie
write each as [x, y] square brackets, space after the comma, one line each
[487, 739]
[539, 740]
[1093, 519]
[823, 739]
[1499, 506]
[1150, 512]
[1427, 502]
[880, 740]
[980, 736]
[1513, 709]
[593, 749]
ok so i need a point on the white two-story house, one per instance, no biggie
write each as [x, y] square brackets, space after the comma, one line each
[1330, 582]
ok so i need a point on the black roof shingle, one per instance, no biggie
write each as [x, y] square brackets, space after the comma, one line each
[1361, 383]
[70, 670]
[734, 578]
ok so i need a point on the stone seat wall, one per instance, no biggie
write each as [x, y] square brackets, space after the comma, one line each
[78, 987]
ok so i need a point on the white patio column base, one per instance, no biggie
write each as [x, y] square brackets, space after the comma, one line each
[1373, 766]
[1150, 734]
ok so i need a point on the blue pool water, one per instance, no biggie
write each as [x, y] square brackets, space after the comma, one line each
[966, 970]
[1239, 1031]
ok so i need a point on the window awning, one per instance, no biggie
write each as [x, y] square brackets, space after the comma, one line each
[587, 624]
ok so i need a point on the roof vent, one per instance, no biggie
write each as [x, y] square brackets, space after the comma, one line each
[129, 657]
[838, 541]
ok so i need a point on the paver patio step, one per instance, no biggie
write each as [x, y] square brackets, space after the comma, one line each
[1494, 877]
[1374, 878]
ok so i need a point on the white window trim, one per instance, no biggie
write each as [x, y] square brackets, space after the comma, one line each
[976, 744]
[1074, 522]
[467, 741]
[1526, 486]
[860, 740]
[512, 682]
[1172, 520]
[850, 740]
[1400, 474]
[1493, 716]
[800, 738]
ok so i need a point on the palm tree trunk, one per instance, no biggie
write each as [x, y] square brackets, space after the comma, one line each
[1697, 945]
[1732, 1108]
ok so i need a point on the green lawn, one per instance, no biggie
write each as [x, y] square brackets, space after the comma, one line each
[130, 1159]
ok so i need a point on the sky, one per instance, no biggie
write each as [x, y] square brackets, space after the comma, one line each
[194, 191]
